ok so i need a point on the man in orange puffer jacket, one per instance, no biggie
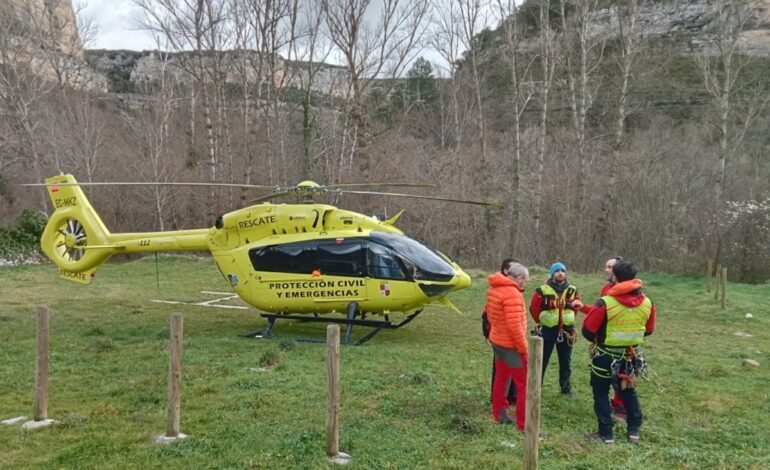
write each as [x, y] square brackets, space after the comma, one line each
[507, 315]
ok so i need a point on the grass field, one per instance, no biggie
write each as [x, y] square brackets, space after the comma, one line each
[411, 398]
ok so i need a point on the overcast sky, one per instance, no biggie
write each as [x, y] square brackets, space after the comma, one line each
[117, 22]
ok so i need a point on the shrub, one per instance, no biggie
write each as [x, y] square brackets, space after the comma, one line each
[21, 241]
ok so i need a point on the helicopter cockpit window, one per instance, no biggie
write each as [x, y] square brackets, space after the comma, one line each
[288, 258]
[383, 262]
[421, 261]
[344, 259]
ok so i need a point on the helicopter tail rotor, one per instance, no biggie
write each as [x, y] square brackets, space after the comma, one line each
[75, 238]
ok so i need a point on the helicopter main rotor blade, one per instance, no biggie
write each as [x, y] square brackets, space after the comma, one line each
[122, 183]
[270, 196]
[378, 185]
[435, 198]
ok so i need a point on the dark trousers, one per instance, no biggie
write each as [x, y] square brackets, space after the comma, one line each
[563, 350]
[601, 381]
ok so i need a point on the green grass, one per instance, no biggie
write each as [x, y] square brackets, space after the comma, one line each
[411, 398]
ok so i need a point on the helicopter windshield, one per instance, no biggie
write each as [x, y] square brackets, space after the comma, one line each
[423, 262]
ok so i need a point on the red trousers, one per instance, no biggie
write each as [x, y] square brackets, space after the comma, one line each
[504, 377]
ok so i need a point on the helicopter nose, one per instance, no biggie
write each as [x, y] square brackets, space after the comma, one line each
[461, 280]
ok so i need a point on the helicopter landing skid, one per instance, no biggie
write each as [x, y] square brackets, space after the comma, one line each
[378, 326]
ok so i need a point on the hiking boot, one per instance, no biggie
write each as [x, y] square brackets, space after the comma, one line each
[503, 417]
[595, 436]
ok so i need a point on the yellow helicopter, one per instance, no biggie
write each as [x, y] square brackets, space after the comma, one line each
[295, 261]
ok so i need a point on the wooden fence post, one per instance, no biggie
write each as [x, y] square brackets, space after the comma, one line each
[532, 417]
[333, 373]
[41, 368]
[724, 288]
[717, 279]
[709, 266]
[175, 375]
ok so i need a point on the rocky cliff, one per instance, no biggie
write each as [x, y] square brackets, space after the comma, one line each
[127, 70]
[42, 36]
[694, 22]
[52, 20]
[52, 25]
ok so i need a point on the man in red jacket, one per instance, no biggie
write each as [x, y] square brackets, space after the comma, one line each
[618, 324]
[551, 308]
[608, 270]
[618, 408]
[508, 321]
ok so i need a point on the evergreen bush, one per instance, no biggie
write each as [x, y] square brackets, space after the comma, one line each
[21, 241]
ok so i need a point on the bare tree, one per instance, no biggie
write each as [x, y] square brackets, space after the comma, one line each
[581, 68]
[520, 65]
[723, 67]
[151, 129]
[273, 26]
[371, 50]
[472, 17]
[24, 88]
[197, 31]
[78, 133]
[631, 40]
[309, 53]
[547, 45]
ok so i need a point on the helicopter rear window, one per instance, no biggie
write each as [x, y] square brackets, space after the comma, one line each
[423, 262]
[341, 259]
[288, 258]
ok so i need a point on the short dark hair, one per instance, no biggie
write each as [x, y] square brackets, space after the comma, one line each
[506, 264]
[624, 271]
[618, 258]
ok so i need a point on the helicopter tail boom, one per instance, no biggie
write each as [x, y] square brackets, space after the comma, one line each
[77, 241]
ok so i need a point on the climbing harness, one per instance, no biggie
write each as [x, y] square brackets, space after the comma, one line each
[568, 335]
[628, 368]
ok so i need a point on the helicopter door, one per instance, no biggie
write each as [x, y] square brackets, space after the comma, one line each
[342, 263]
[388, 279]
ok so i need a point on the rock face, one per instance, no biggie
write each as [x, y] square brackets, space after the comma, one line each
[127, 70]
[51, 19]
[692, 21]
[43, 36]
[53, 28]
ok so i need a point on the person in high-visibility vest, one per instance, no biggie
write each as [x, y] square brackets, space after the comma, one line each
[617, 325]
[616, 403]
[551, 308]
